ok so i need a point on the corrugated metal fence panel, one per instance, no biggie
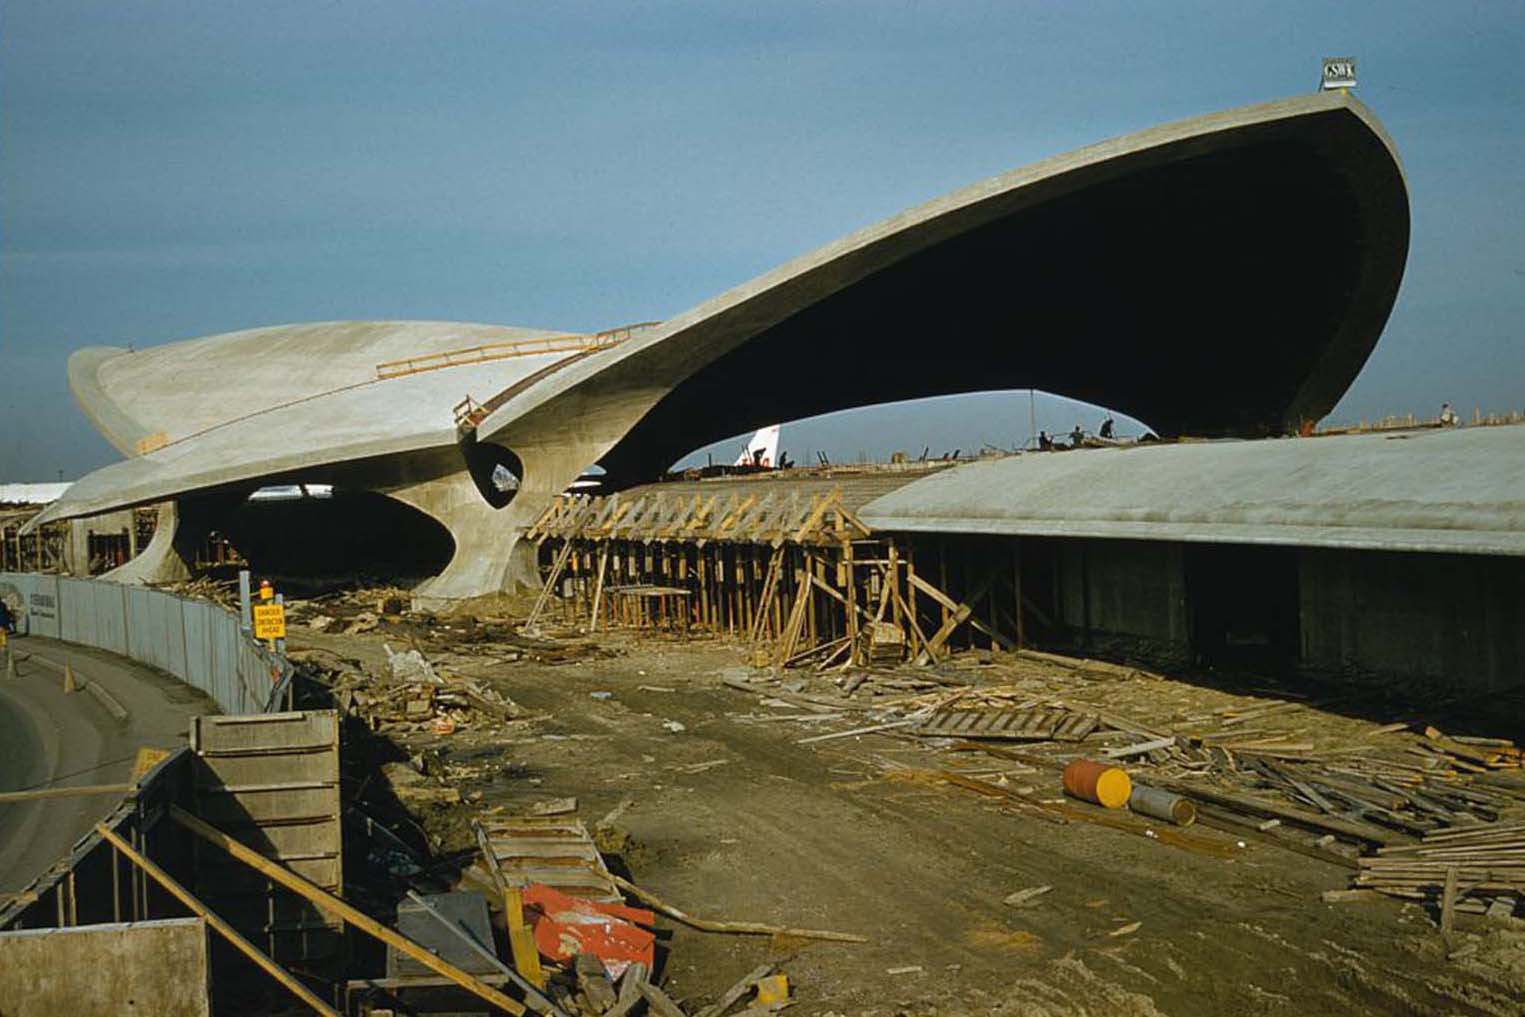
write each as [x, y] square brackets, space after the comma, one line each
[196, 641]
[228, 687]
[167, 627]
[199, 671]
[76, 610]
[140, 643]
[110, 617]
[259, 672]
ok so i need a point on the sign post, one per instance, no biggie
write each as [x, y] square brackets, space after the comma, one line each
[243, 601]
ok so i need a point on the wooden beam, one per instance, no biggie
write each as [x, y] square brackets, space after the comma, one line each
[327, 902]
[82, 791]
[598, 589]
[955, 618]
[550, 583]
[222, 928]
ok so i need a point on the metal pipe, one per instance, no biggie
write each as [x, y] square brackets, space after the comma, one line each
[1161, 804]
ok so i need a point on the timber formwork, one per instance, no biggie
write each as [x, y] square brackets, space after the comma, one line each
[43, 550]
[797, 575]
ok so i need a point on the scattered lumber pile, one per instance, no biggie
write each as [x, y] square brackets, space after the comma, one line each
[1266, 766]
[1461, 868]
[220, 591]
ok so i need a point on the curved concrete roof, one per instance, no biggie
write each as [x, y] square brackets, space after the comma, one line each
[1227, 274]
[269, 402]
[1433, 490]
[185, 388]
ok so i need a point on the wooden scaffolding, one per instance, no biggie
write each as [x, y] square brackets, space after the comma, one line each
[798, 576]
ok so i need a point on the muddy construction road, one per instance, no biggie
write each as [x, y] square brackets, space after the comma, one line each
[731, 818]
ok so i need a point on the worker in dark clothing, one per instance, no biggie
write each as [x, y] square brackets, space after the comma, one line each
[1045, 443]
[7, 620]
[1106, 428]
[1077, 436]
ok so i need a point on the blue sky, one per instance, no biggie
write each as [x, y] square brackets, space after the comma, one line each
[173, 169]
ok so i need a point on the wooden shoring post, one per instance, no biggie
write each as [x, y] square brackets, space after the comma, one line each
[884, 594]
[1016, 582]
[802, 593]
[990, 606]
[598, 588]
[942, 574]
[746, 554]
[894, 577]
[733, 570]
[546, 591]
[765, 613]
[804, 568]
[206, 914]
[963, 612]
[852, 601]
[341, 909]
[819, 564]
[913, 627]
[704, 585]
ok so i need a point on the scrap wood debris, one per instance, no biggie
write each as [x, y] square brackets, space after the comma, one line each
[1476, 866]
[415, 694]
[1268, 766]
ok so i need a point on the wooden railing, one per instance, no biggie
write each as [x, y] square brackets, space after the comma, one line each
[507, 350]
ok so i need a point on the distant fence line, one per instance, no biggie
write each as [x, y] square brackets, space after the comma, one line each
[197, 641]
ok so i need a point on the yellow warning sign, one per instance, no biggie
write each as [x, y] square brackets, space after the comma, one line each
[148, 757]
[269, 621]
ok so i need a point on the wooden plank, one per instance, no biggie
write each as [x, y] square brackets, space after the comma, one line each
[550, 584]
[222, 928]
[82, 791]
[330, 904]
[957, 617]
[1260, 806]
[1448, 900]
[598, 589]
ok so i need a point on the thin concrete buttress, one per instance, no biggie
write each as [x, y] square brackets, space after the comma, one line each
[491, 554]
[168, 556]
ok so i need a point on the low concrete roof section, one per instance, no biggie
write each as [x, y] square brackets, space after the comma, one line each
[1460, 491]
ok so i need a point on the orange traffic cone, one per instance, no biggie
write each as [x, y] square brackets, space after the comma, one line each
[70, 685]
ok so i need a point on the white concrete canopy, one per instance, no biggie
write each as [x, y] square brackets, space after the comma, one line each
[861, 320]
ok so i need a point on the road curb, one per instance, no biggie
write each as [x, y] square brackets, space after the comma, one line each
[107, 700]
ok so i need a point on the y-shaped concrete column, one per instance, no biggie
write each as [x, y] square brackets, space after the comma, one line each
[168, 556]
[489, 553]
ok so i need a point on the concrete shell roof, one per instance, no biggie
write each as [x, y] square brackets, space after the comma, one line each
[918, 304]
[185, 388]
[269, 402]
[1427, 490]
[1226, 274]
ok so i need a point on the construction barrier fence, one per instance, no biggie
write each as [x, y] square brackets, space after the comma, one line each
[197, 641]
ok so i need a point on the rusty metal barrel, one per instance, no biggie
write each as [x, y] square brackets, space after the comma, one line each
[1166, 805]
[1101, 783]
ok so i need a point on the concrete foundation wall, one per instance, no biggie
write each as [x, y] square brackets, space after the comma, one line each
[152, 969]
[1456, 619]
[1451, 621]
[1123, 588]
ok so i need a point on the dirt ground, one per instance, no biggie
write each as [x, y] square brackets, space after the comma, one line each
[730, 818]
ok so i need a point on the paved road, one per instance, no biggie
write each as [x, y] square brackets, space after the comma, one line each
[48, 738]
